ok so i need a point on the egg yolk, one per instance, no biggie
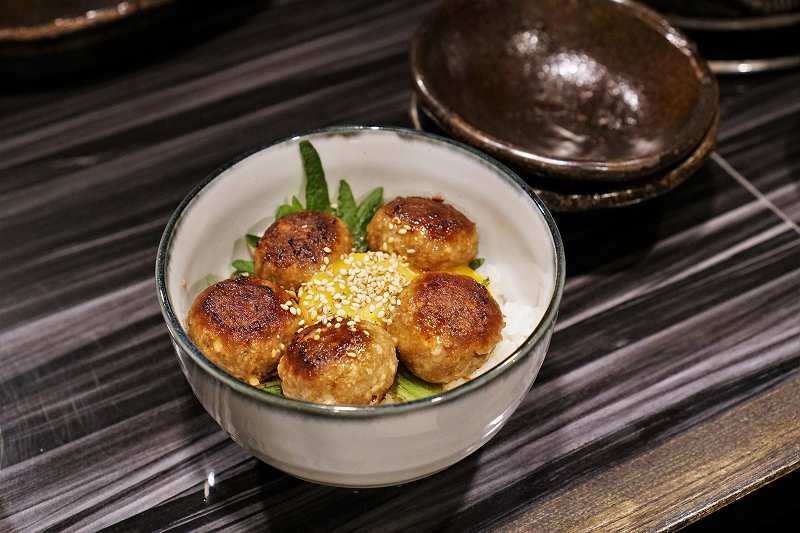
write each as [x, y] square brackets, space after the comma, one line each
[361, 286]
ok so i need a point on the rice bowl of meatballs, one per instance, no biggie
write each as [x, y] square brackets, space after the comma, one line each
[361, 306]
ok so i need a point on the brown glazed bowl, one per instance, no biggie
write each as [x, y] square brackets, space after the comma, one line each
[565, 196]
[585, 89]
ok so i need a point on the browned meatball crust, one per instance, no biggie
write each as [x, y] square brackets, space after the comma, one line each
[432, 234]
[293, 248]
[243, 325]
[445, 326]
[353, 364]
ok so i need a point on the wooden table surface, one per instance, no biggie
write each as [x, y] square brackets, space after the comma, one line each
[671, 388]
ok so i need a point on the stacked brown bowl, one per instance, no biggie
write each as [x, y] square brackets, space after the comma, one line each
[597, 103]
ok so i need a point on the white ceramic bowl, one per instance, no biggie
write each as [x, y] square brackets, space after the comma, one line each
[375, 445]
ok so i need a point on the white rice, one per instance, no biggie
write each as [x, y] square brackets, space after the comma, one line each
[520, 320]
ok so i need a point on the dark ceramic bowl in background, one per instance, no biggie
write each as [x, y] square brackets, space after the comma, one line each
[37, 20]
[739, 37]
[586, 89]
[44, 43]
[565, 196]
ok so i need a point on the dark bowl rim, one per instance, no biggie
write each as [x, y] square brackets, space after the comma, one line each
[93, 18]
[590, 170]
[181, 338]
[734, 24]
[660, 183]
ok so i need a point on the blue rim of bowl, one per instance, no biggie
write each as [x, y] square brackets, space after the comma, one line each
[523, 351]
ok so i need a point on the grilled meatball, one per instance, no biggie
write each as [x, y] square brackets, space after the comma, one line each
[293, 248]
[432, 234]
[445, 326]
[243, 325]
[352, 364]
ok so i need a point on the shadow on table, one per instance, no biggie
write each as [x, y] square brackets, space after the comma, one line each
[428, 504]
[596, 238]
[108, 50]
[615, 239]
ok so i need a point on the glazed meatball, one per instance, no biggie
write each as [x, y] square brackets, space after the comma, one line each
[352, 364]
[445, 326]
[432, 234]
[293, 248]
[243, 325]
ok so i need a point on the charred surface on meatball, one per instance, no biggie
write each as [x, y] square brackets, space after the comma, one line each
[293, 248]
[348, 364]
[445, 326]
[243, 325]
[432, 234]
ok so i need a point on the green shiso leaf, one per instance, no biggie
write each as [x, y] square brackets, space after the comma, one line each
[252, 240]
[408, 387]
[476, 263]
[364, 214]
[317, 198]
[286, 209]
[244, 266]
[273, 387]
[347, 209]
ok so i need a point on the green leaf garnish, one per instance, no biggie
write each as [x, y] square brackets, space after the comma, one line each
[476, 263]
[347, 209]
[286, 209]
[408, 387]
[273, 387]
[244, 266]
[364, 214]
[296, 204]
[317, 198]
[252, 240]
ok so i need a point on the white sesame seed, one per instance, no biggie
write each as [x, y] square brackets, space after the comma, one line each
[326, 250]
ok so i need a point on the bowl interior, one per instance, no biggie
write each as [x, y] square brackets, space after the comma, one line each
[514, 234]
[591, 86]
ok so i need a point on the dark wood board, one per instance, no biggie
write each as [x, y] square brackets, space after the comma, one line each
[678, 342]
